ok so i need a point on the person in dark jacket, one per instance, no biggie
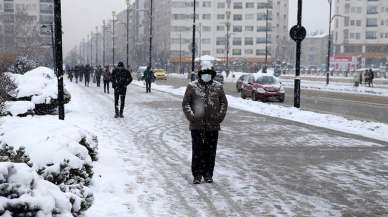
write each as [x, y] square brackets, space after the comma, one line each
[204, 105]
[121, 78]
[148, 77]
[106, 79]
[98, 75]
[87, 71]
[371, 77]
[81, 72]
[76, 73]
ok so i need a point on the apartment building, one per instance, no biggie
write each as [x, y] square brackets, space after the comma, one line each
[21, 21]
[361, 31]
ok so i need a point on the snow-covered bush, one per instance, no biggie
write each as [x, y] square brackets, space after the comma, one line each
[22, 65]
[8, 154]
[18, 109]
[6, 86]
[40, 86]
[24, 193]
[59, 152]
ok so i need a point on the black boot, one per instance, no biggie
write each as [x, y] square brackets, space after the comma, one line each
[208, 179]
[197, 180]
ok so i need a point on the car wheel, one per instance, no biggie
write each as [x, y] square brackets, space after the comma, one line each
[281, 99]
[243, 95]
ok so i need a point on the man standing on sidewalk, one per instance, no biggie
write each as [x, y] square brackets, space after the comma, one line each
[121, 78]
[106, 79]
[205, 106]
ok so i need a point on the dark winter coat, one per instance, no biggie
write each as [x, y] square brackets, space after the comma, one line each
[98, 73]
[121, 78]
[205, 105]
[87, 72]
[148, 75]
[106, 75]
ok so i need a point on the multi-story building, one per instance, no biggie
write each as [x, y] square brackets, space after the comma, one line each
[361, 31]
[250, 26]
[20, 25]
[311, 45]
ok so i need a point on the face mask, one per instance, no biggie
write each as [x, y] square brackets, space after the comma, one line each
[206, 77]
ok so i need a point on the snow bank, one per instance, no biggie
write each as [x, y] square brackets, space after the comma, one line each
[24, 193]
[368, 129]
[18, 108]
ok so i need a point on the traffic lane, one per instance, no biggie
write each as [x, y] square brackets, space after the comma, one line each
[351, 106]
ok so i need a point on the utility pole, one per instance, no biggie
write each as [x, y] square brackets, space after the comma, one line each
[113, 37]
[329, 46]
[193, 45]
[59, 58]
[298, 34]
[266, 42]
[151, 17]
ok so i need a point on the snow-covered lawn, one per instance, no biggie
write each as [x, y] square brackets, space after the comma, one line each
[372, 130]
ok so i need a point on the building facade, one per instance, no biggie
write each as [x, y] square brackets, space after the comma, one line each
[21, 24]
[314, 51]
[361, 31]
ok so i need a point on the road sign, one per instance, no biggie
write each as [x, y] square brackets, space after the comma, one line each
[298, 33]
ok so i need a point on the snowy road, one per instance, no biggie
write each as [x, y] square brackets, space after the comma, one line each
[265, 166]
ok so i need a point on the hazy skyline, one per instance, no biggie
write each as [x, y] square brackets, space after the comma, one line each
[82, 17]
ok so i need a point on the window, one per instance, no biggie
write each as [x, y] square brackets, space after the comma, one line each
[220, 16]
[237, 28]
[249, 28]
[248, 41]
[248, 51]
[207, 4]
[249, 16]
[236, 52]
[237, 5]
[221, 5]
[237, 41]
[250, 5]
[220, 41]
[206, 28]
[371, 35]
[237, 17]
[220, 28]
[371, 22]
[220, 51]
[206, 16]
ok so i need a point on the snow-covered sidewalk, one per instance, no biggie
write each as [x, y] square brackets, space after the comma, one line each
[264, 166]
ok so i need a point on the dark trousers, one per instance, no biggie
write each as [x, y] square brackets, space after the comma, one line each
[204, 152]
[119, 95]
[98, 82]
[148, 86]
[106, 86]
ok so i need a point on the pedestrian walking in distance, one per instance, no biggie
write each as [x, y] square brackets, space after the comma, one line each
[87, 72]
[98, 75]
[148, 77]
[121, 78]
[204, 105]
[106, 79]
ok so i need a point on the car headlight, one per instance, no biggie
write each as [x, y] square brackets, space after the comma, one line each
[282, 90]
[260, 90]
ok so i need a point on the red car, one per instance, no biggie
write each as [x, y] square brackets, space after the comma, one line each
[264, 88]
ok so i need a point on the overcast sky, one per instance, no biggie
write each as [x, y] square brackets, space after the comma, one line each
[82, 16]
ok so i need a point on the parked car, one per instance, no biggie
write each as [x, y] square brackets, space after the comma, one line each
[242, 79]
[140, 72]
[263, 87]
[160, 74]
[219, 77]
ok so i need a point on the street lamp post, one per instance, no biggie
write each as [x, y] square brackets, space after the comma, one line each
[59, 58]
[113, 37]
[96, 45]
[329, 45]
[91, 48]
[103, 42]
[180, 52]
[298, 34]
[227, 43]
[193, 45]
[266, 43]
[151, 14]
[127, 1]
